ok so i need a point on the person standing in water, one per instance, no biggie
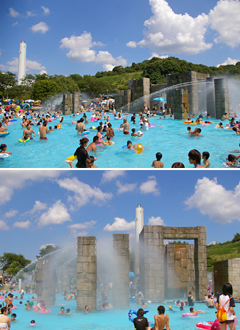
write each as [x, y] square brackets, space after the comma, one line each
[161, 320]
[43, 130]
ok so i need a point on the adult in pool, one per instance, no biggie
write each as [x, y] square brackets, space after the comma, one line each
[110, 131]
[226, 300]
[126, 126]
[82, 154]
[4, 319]
[210, 302]
[157, 163]
[28, 133]
[3, 128]
[93, 145]
[161, 320]
[43, 130]
[80, 127]
[192, 311]
[140, 322]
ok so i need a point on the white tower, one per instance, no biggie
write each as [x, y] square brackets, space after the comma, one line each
[138, 221]
[22, 62]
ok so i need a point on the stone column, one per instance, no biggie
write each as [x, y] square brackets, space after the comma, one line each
[151, 263]
[201, 263]
[221, 97]
[67, 104]
[86, 273]
[210, 97]
[75, 102]
[45, 278]
[121, 267]
[193, 92]
[181, 105]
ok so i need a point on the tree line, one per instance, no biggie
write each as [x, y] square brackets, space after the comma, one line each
[43, 86]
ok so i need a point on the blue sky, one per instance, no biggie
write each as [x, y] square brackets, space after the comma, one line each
[54, 207]
[78, 36]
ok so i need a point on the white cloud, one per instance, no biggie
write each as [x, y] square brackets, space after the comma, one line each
[80, 50]
[56, 214]
[224, 18]
[11, 180]
[38, 206]
[13, 13]
[122, 188]
[16, 23]
[131, 44]
[120, 224]
[30, 65]
[46, 10]
[30, 14]
[168, 32]
[22, 224]
[212, 199]
[40, 27]
[3, 225]
[43, 71]
[158, 221]
[111, 175]
[11, 213]
[213, 243]
[79, 47]
[228, 62]
[149, 187]
[83, 193]
[156, 55]
[78, 226]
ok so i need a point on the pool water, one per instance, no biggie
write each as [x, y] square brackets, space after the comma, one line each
[169, 137]
[110, 319]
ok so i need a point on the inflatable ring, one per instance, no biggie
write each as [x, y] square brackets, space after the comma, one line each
[72, 158]
[189, 314]
[44, 311]
[85, 133]
[107, 144]
[126, 148]
[2, 156]
[4, 134]
[152, 125]
[204, 325]
[235, 165]
[21, 140]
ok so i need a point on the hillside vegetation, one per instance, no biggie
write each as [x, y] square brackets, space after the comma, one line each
[223, 251]
[43, 87]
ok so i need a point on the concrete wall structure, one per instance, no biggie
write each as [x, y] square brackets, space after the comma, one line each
[67, 104]
[152, 259]
[179, 270]
[86, 273]
[227, 271]
[221, 97]
[121, 267]
[46, 280]
[210, 97]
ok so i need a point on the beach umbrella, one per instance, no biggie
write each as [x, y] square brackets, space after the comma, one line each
[131, 274]
[160, 99]
[29, 101]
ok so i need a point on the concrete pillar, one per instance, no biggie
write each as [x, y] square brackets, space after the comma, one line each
[46, 280]
[181, 105]
[193, 93]
[151, 263]
[221, 97]
[19, 284]
[121, 267]
[67, 104]
[210, 97]
[201, 262]
[86, 273]
[75, 102]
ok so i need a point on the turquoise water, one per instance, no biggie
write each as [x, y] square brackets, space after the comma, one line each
[104, 320]
[168, 137]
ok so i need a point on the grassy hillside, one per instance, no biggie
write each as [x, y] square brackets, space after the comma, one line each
[121, 81]
[222, 251]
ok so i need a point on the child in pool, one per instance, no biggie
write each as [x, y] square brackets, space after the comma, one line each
[62, 311]
[3, 149]
[205, 156]
[13, 317]
[157, 163]
[130, 145]
[232, 160]
[190, 131]
[108, 142]
[68, 311]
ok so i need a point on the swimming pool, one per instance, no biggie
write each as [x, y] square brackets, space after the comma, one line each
[110, 319]
[169, 137]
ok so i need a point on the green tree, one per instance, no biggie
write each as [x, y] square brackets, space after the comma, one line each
[48, 249]
[67, 84]
[7, 79]
[12, 263]
[236, 238]
[19, 92]
[43, 89]
[29, 80]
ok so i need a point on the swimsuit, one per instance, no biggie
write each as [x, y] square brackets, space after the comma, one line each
[43, 138]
